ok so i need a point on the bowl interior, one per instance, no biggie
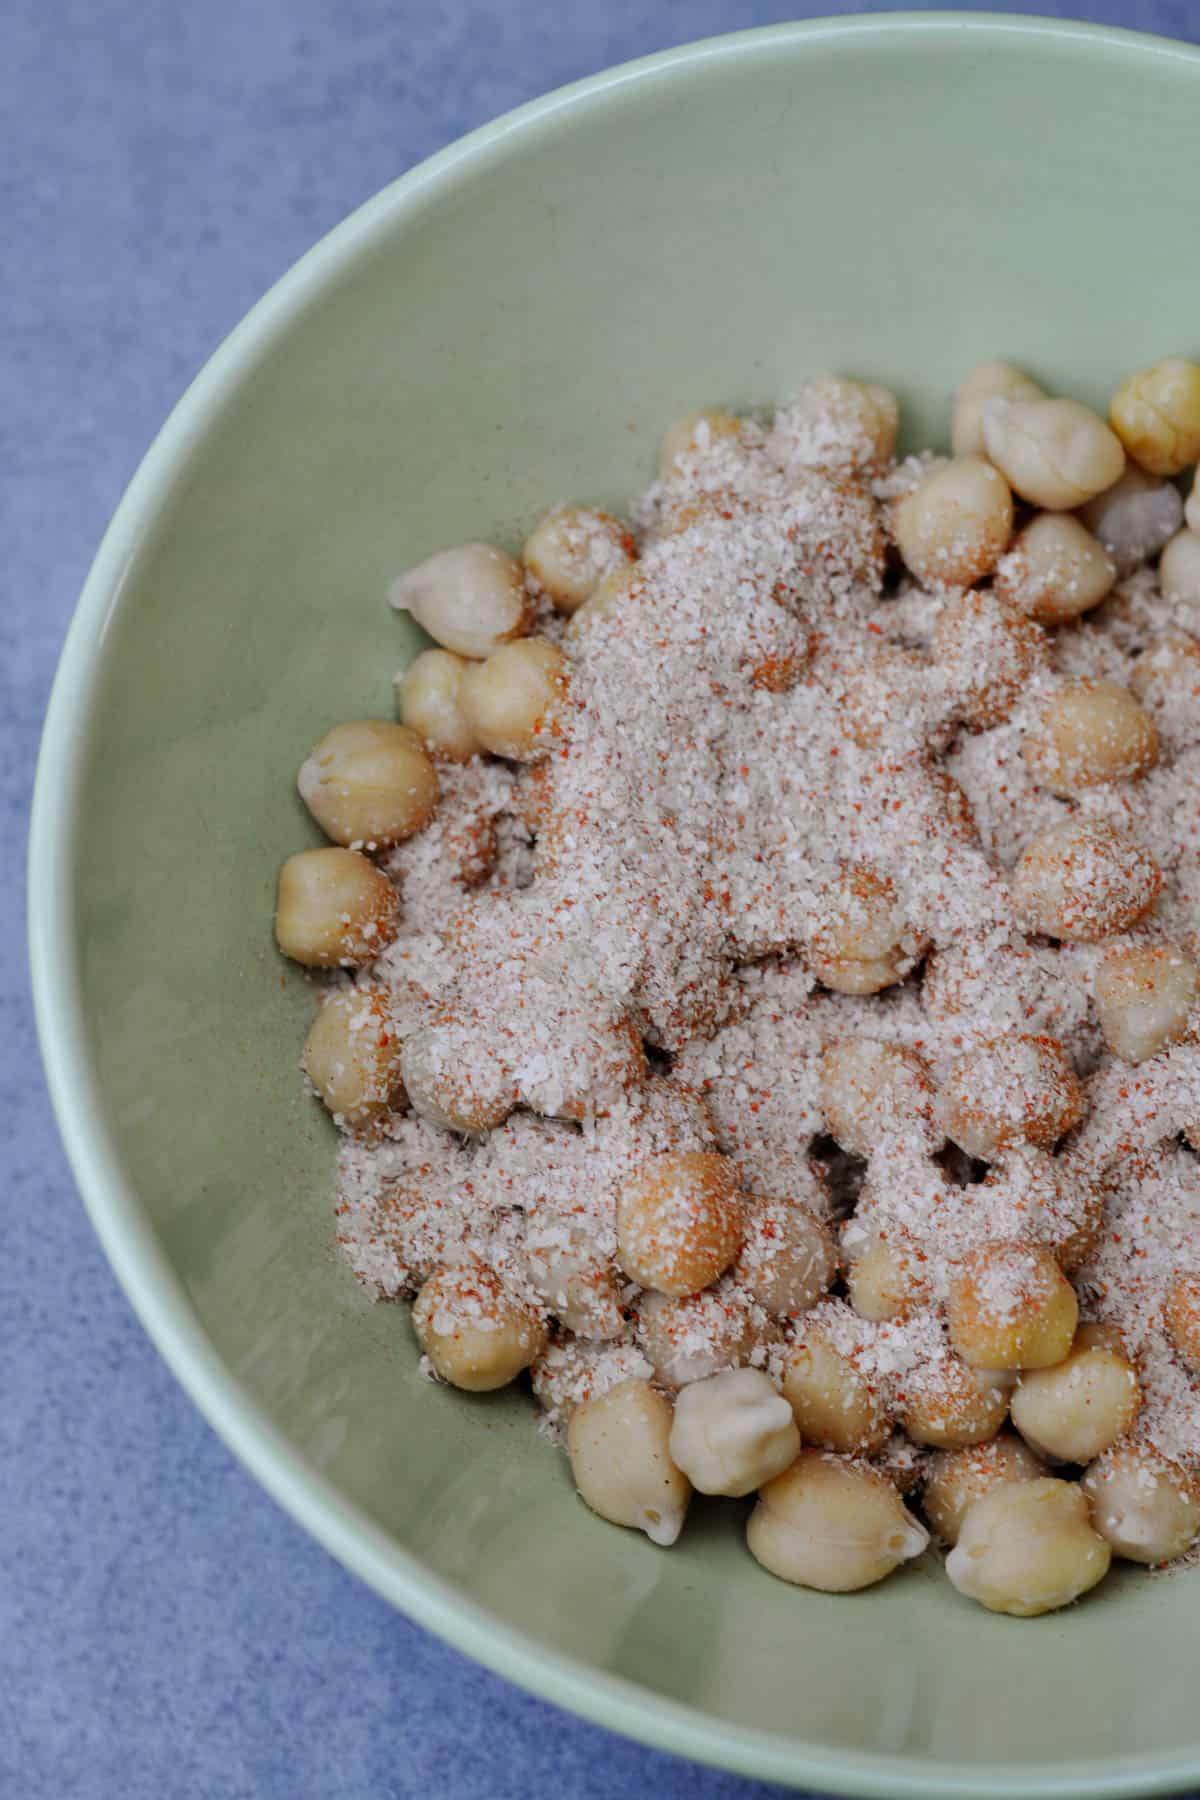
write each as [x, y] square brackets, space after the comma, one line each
[511, 328]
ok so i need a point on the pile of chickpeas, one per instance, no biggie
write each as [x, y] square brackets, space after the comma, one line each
[1049, 504]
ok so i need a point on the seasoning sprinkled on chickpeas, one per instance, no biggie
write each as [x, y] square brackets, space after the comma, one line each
[679, 1222]
[1011, 1307]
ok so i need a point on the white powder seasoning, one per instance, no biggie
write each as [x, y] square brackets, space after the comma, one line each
[768, 822]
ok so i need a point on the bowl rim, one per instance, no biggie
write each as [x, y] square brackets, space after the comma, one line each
[154, 1291]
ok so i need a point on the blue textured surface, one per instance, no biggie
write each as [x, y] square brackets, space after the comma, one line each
[164, 1630]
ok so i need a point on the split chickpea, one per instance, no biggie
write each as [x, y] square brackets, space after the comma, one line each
[335, 909]
[470, 599]
[352, 1056]
[957, 1478]
[1156, 414]
[954, 526]
[369, 784]
[832, 1525]
[1083, 880]
[1011, 1307]
[1145, 995]
[1056, 569]
[1145, 1506]
[1056, 454]
[619, 1444]
[573, 550]
[679, 1221]
[1078, 1408]
[429, 701]
[512, 701]
[1028, 1547]
[733, 1432]
[476, 1334]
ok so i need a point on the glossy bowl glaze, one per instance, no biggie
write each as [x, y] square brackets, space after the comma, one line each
[509, 325]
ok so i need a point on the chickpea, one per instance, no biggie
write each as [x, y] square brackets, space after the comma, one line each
[1055, 570]
[604, 602]
[832, 1525]
[1144, 994]
[512, 701]
[335, 908]
[1011, 1307]
[695, 436]
[679, 1221]
[1090, 732]
[1144, 1505]
[950, 1406]
[954, 526]
[690, 1337]
[733, 1432]
[569, 1274]
[835, 1406]
[369, 784]
[573, 549]
[619, 1446]
[352, 1056]
[988, 652]
[1191, 511]
[957, 1478]
[1168, 670]
[1181, 1315]
[1028, 1547]
[476, 1335]
[610, 1063]
[1083, 880]
[871, 1091]
[1056, 454]
[787, 1260]
[986, 381]
[1134, 518]
[838, 426]
[1156, 415]
[470, 600]
[863, 943]
[1179, 567]
[429, 700]
[453, 1087]
[1073, 1411]
[885, 1280]
[1015, 1089]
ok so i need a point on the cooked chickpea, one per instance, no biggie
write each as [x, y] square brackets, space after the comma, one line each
[1076, 1409]
[1054, 453]
[1191, 511]
[837, 425]
[1181, 1315]
[619, 1446]
[609, 1063]
[1144, 994]
[987, 651]
[352, 1056]
[1028, 1547]
[986, 381]
[733, 1432]
[1083, 880]
[369, 784]
[835, 1405]
[471, 599]
[569, 1273]
[957, 1478]
[1090, 732]
[572, 551]
[863, 943]
[691, 1336]
[476, 1335]
[457, 1091]
[679, 1221]
[334, 909]
[884, 1280]
[1055, 570]
[871, 1091]
[1179, 567]
[950, 1405]
[1156, 415]
[1144, 1505]
[1011, 1307]
[955, 525]
[512, 701]
[606, 600]
[694, 436]
[1168, 671]
[1135, 517]
[787, 1260]
[1014, 1089]
[429, 700]
[832, 1525]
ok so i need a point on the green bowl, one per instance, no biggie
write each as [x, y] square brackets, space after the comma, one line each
[509, 325]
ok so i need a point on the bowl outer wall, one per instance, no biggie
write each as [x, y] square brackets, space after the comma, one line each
[163, 801]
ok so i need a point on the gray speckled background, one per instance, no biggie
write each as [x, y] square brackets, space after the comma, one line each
[164, 1630]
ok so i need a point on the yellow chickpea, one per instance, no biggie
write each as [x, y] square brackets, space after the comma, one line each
[1090, 732]
[863, 943]
[1056, 454]
[1073, 1411]
[1179, 567]
[871, 1091]
[1027, 1548]
[619, 1446]
[476, 1335]
[679, 1221]
[1156, 415]
[988, 651]
[950, 1405]
[1056, 570]
[470, 600]
[733, 1432]
[352, 1057]
[835, 1405]
[452, 1087]
[955, 525]
[573, 550]
[512, 702]
[787, 1260]
[694, 437]
[429, 701]
[369, 784]
[1015, 1089]
[886, 1279]
[1134, 518]
[1145, 994]
[832, 1525]
[1011, 1307]
[1181, 1315]
[335, 909]
[957, 1478]
[1145, 1506]
[1083, 880]
[986, 381]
